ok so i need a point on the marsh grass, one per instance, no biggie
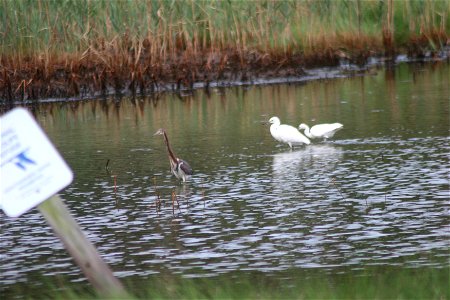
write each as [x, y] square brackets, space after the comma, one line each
[370, 283]
[54, 48]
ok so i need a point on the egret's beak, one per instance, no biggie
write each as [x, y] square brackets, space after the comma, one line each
[265, 122]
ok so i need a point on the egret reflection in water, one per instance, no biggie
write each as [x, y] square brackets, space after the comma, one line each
[290, 169]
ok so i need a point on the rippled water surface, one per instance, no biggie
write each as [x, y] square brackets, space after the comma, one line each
[377, 194]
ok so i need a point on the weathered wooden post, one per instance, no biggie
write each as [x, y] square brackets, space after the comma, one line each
[31, 172]
[82, 251]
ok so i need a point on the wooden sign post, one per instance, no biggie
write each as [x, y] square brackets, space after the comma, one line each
[32, 171]
[82, 251]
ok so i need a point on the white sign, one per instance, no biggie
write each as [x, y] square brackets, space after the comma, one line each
[31, 168]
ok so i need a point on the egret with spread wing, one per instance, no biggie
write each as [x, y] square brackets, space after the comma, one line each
[180, 168]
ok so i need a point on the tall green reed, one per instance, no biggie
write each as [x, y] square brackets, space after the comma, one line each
[29, 26]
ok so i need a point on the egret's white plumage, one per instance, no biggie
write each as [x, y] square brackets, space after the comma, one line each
[286, 133]
[324, 131]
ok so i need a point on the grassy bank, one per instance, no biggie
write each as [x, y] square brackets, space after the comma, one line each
[371, 283]
[69, 48]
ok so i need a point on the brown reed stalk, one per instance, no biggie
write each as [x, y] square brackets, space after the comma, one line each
[215, 40]
[157, 203]
[158, 197]
[388, 30]
[175, 199]
[173, 204]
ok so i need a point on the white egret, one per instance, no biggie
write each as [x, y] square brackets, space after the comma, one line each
[180, 168]
[286, 133]
[324, 131]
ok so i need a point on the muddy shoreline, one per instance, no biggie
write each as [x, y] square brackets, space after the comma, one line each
[86, 49]
[89, 78]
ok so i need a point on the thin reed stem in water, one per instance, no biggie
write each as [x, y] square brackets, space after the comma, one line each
[333, 182]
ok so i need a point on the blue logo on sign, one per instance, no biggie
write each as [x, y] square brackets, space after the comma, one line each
[21, 160]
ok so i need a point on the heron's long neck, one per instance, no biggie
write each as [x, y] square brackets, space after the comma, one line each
[307, 133]
[171, 154]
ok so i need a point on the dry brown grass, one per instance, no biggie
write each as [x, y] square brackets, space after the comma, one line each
[99, 47]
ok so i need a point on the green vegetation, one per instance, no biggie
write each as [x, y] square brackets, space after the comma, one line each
[375, 283]
[62, 48]
[74, 25]
[370, 283]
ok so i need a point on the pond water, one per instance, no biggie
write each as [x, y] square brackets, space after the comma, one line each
[376, 194]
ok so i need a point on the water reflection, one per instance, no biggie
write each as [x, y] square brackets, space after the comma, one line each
[291, 168]
[378, 194]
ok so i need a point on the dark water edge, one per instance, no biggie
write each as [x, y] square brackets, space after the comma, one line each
[345, 69]
[382, 282]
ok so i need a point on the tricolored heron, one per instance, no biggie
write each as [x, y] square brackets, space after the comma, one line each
[180, 168]
[286, 133]
[324, 131]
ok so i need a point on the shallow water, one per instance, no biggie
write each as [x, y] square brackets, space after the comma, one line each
[376, 194]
